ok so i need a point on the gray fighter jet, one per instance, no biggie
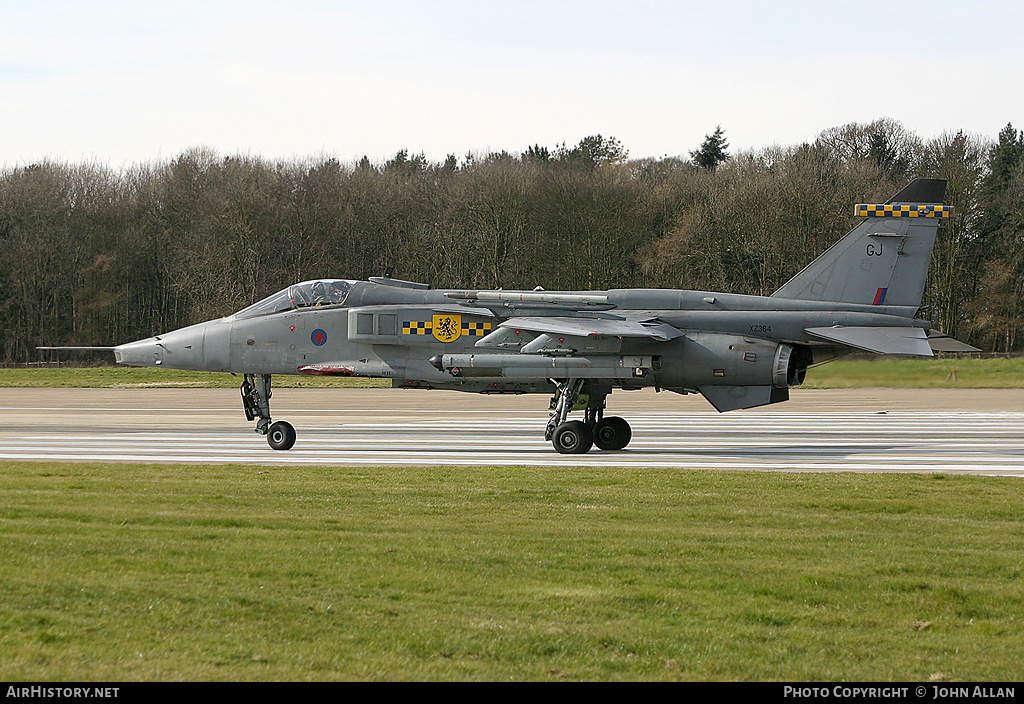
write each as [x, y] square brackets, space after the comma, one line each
[738, 351]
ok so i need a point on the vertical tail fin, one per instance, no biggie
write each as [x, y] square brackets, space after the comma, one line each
[882, 261]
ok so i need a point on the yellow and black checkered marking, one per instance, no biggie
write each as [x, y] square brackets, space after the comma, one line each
[477, 329]
[426, 327]
[903, 211]
[418, 327]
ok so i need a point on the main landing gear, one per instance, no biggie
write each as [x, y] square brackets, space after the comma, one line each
[575, 437]
[256, 401]
[571, 437]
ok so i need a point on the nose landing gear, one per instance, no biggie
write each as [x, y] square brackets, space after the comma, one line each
[256, 402]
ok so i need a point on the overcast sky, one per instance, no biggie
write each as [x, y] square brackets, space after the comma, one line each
[123, 81]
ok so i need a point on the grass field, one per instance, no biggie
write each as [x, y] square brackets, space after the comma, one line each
[149, 377]
[963, 373]
[246, 573]
[136, 572]
[843, 373]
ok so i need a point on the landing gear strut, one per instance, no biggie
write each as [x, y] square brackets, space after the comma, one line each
[577, 437]
[256, 402]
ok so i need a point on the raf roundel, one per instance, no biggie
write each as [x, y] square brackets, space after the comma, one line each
[318, 337]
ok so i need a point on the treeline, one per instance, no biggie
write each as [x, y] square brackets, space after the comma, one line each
[95, 256]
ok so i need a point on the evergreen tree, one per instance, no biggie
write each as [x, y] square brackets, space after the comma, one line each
[1005, 156]
[593, 151]
[537, 153]
[885, 153]
[712, 151]
[1000, 298]
[1004, 165]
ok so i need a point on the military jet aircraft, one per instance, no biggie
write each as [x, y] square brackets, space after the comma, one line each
[738, 351]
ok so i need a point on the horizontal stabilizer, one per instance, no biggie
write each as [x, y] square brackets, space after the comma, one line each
[941, 342]
[732, 398]
[880, 340]
[584, 327]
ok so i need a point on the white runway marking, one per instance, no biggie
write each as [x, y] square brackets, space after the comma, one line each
[906, 441]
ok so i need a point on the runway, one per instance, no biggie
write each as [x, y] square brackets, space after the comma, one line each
[856, 431]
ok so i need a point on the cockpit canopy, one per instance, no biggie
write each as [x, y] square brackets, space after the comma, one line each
[308, 294]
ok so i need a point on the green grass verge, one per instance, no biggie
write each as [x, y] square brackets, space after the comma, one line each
[148, 377]
[844, 373]
[172, 572]
[959, 373]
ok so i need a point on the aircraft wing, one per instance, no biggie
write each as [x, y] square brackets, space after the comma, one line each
[584, 327]
[881, 340]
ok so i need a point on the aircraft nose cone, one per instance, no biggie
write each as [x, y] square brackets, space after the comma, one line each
[141, 353]
[179, 349]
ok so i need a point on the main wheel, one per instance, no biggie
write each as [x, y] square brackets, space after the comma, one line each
[281, 435]
[612, 433]
[572, 438]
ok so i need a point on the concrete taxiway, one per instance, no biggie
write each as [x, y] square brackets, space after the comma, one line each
[883, 430]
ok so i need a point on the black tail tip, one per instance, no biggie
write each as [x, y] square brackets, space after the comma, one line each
[922, 190]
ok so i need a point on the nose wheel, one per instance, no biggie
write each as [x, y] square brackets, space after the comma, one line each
[256, 402]
[281, 435]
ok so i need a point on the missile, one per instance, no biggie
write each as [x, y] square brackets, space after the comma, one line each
[534, 366]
